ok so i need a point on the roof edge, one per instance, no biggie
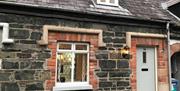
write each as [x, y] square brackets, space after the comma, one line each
[89, 13]
[169, 3]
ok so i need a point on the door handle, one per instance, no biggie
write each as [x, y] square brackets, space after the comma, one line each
[144, 69]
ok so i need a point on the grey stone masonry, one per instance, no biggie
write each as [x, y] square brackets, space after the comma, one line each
[24, 62]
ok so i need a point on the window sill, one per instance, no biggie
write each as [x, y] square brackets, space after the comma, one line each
[5, 33]
[8, 41]
[72, 86]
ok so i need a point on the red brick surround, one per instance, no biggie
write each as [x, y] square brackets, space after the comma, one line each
[54, 37]
[162, 63]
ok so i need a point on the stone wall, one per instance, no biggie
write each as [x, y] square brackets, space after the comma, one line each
[24, 63]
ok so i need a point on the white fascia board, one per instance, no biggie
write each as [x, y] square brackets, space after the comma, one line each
[165, 5]
[172, 2]
[5, 33]
[173, 15]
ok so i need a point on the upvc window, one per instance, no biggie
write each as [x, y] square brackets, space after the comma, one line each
[72, 64]
[108, 2]
[1, 30]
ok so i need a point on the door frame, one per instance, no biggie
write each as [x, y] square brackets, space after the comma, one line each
[156, 69]
[155, 66]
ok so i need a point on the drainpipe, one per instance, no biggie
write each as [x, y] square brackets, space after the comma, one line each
[169, 53]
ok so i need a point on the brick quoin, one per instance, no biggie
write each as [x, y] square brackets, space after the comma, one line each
[162, 63]
[54, 37]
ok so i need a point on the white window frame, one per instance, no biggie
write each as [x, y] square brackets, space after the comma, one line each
[5, 33]
[173, 15]
[0, 63]
[107, 2]
[72, 85]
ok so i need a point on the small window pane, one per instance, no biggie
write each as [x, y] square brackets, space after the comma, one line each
[81, 47]
[1, 31]
[144, 56]
[103, 0]
[65, 46]
[64, 62]
[112, 1]
[80, 67]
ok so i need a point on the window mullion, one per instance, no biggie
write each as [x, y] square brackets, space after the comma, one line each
[73, 62]
[88, 64]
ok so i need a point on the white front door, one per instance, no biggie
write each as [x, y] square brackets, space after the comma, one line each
[146, 79]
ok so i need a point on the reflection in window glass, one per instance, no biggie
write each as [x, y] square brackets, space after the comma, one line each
[81, 47]
[80, 67]
[65, 46]
[64, 61]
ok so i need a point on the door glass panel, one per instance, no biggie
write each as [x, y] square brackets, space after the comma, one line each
[80, 69]
[81, 47]
[144, 55]
[64, 62]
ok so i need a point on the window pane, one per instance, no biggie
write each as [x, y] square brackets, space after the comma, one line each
[144, 56]
[64, 61]
[1, 31]
[81, 47]
[80, 67]
[64, 46]
[112, 1]
[103, 0]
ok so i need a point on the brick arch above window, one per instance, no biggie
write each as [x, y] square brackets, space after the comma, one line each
[47, 28]
[175, 48]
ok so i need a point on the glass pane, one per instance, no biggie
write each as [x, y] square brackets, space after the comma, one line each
[112, 1]
[103, 0]
[1, 31]
[81, 47]
[144, 56]
[80, 71]
[65, 46]
[64, 61]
